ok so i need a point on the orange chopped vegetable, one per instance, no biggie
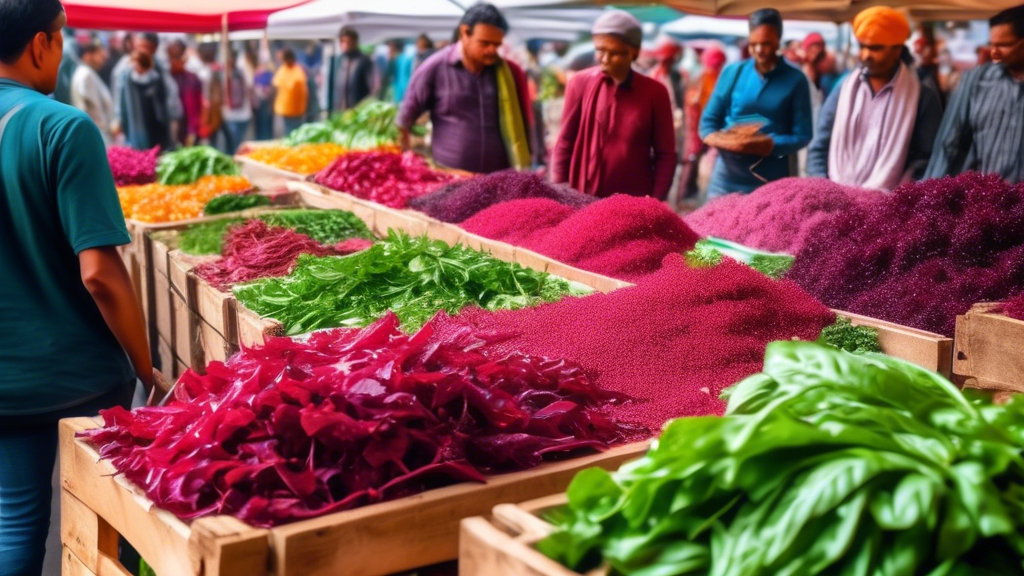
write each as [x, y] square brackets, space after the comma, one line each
[303, 159]
[161, 203]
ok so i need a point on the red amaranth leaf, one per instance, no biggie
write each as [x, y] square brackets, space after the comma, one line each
[295, 429]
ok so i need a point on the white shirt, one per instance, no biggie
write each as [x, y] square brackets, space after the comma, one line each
[90, 95]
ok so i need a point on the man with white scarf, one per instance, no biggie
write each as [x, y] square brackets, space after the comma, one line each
[877, 130]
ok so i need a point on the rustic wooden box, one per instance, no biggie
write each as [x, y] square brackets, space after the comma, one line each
[373, 540]
[989, 350]
[503, 545]
[265, 176]
[926, 349]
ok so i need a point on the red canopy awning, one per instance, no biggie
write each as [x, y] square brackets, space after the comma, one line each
[195, 16]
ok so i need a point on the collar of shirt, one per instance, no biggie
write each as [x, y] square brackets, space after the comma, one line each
[455, 55]
[888, 85]
[626, 84]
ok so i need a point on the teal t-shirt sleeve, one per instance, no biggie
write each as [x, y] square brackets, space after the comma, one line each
[90, 211]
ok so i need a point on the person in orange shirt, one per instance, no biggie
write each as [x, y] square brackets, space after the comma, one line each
[292, 93]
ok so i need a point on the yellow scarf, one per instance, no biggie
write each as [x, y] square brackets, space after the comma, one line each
[510, 118]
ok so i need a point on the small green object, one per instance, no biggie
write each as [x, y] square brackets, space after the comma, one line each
[367, 126]
[206, 238]
[413, 277]
[703, 256]
[145, 569]
[845, 336]
[187, 165]
[234, 203]
[772, 265]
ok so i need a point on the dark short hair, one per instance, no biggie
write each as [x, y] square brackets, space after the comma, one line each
[177, 43]
[90, 47]
[20, 21]
[767, 17]
[288, 55]
[349, 32]
[484, 14]
[150, 37]
[1012, 16]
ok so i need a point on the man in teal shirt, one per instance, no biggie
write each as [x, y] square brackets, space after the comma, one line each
[72, 337]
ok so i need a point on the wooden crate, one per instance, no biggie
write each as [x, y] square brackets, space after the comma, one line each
[503, 545]
[373, 540]
[167, 361]
[253, 330]
[265, 176]
[989, 350]
[926, 349]
[187, 344]
[214, 307]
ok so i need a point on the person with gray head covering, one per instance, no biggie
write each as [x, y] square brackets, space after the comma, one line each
[617, 135]
[759, 115]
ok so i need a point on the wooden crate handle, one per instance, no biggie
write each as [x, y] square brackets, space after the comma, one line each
[520, 523]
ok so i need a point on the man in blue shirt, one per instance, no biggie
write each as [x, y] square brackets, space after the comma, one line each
[68, 314]
[762, 90]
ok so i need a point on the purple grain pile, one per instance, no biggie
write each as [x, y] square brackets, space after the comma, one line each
[779, 216]
[921, 255]
[461, 200]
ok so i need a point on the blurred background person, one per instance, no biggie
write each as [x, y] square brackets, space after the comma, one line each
[424, 49]
[983, 128]
[878, 128]
[147, 102]
[617, 133]
[353, 72]
[190, 91]
[292, 92]
[116, 49]
[237, 107]
[88, 92]
[388, 74]
[263, 100]
[764, 91]
[697, 96]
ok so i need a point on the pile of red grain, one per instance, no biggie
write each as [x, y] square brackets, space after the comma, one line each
[385, 177]
[622, 236]
[463, 199]
[921, 255]
[254, 250]
[779, 216]
[672, 343]
[1014, 307]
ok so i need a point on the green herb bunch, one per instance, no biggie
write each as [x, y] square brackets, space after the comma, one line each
[325, 226]
[845, 336]
[187, 165]
[709, 252]
[234, 203]
[827, 463]
[414, 277]
[368, 126]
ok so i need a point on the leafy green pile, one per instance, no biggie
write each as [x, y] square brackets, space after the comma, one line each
[709, 252]
[828, 463]
[187, 165]
[368, 126]
[325, 226]
[845, 336]
[234, 203]
[414, 277]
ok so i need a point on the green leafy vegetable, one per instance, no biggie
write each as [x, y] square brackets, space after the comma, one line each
[827, 463]
[414, 277]
[145, 569]
[368, 126]
[234, 203]
[325, 226]
[845, 336]
[772, 265]
[703, 256]
[187, 165]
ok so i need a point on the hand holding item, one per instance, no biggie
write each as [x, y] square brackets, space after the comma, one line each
[742, 139]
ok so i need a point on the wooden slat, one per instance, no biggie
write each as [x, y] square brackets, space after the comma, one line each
[265, 176]
[989, 350]
[253, 330]
[214, 307]
[926, 349]
[166, 359]
[186, 336]
[162, 309]
[215, 346]
[364, 541]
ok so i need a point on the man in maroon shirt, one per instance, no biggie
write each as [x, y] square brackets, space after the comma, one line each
[459, 86]
[617, 133]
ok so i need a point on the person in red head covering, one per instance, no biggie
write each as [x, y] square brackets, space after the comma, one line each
[712, 61]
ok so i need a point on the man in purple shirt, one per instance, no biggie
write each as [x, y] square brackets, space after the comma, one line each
[459, 86]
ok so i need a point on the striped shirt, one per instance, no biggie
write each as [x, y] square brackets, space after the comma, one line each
[983, 128]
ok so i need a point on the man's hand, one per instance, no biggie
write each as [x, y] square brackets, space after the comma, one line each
[406, 140]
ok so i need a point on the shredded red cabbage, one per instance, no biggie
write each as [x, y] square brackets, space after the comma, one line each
[131, 167]
[387, 178]
[254, 250]
[293, 430]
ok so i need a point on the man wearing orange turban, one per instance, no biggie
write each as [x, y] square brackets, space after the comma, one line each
[876, 131]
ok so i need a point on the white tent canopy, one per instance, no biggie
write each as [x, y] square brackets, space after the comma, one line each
[380, 20]
[708, 27]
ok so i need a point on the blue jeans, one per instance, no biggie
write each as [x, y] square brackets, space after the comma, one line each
[28, 449]
[291, 123]
[234, 132]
